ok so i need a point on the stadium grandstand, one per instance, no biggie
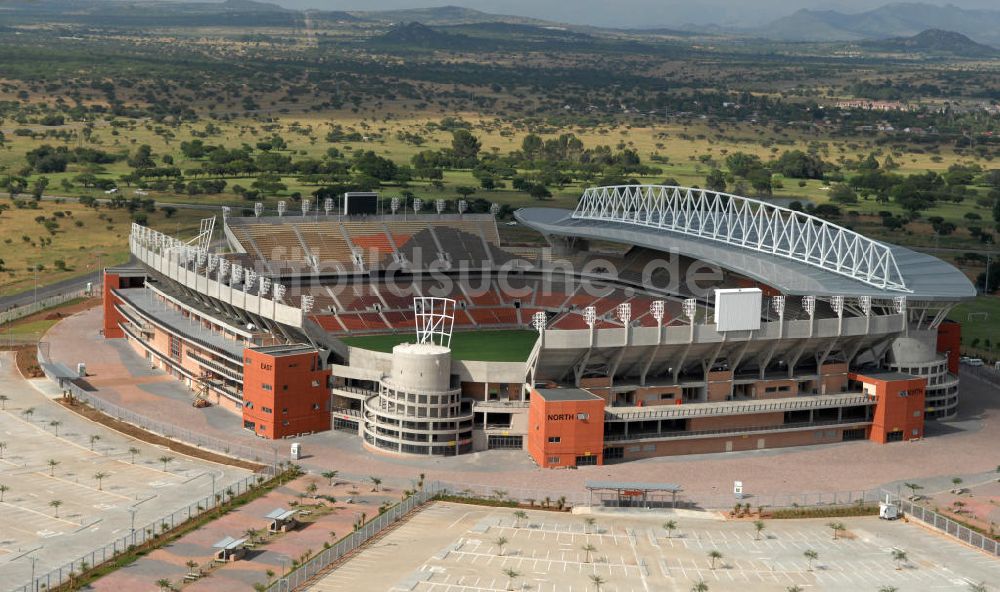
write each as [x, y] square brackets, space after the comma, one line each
[655, 320]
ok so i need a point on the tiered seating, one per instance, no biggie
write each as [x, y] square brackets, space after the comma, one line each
[326, 242]
[552, 300]
[399, 319]
[362, 322]
[372, 240]
[329, 323]
[488, 298]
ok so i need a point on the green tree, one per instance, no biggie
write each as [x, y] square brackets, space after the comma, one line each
[669, 526]
[465, 146]
[3, 489]
[500, 542]
[899, 557]
[55, 506]
[758, 526]
[598, 582]
[810, 556]
[716, 180]
[588, 549]
[714, 555]
[518, 517]
[132, 452]
[512, 575]
[53, 463]
[166, 460]
[100, 477]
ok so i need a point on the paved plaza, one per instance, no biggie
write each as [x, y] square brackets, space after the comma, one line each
[454, 548]
[54, 509]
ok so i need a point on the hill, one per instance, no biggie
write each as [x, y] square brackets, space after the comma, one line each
[419, 35]
[443, 15]
[890, 20]
[936, 41]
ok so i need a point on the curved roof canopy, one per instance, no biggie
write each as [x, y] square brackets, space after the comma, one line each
[792, 251]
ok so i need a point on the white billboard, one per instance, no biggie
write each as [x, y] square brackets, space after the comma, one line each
[737, 309]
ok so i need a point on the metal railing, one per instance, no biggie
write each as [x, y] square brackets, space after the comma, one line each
[946, 525]
[350, 543]
[739, 408]
[17, 312]
[143, 534]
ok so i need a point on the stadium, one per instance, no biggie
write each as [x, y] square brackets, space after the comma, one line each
[654, 321]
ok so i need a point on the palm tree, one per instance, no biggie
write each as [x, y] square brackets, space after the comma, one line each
[588, 523]
[913, 487]
[191, 564]
[3, 402]
[500, 542]
[793, 589]
[376, 483]
[27, 413]
[700, 586]
[93, 440]
[3, 489]
[974, 587]
[163, 583]
[132, 452]
[758, 526]
[311, 489]
[330, 476]
[588, 549]
[165, 460]
[899, 556]
[597, 581]
[251, 534]
[669, 526]
[518, 517]
[100, 480]
[54, 424]
[2, 446]
[511, 576]
[55, 505]
[53, 463]
[836, 527]
[888, 589]
[714, 555]
[810, 556]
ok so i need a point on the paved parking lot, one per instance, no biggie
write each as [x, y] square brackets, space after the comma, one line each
[454, 548]
[54, 508]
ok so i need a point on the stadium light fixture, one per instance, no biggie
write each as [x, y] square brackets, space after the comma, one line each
[462, 206]
[394, 205]
[538, 321]
[306, 203]
[494, 208]
[279, 291]
[657, 309]
[690, 308]
[249, 280]
[778, 305]
[418, 205]
[440, 205]
[328, 205]
[809, 305]
[225, 212]
[865, 302]
[899, 304]
[307, 303]
[282, 206]
[236, 276]
[223, 267]
[625, 313]
[258, 209]
[837, 304]
[590, 316]
[265, 285]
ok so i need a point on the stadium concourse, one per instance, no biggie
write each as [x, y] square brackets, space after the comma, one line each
[964, 447]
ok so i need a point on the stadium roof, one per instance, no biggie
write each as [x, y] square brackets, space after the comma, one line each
[922, 276]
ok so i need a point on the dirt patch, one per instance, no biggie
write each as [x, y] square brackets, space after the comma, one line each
[27, 361]
[155, 439]
[60, 311]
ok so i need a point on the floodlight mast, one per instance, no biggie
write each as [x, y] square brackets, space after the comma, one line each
[258, 209]
[440, 205]
[434, 320]
[282, 206]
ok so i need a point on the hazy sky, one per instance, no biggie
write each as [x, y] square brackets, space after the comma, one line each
[631, 13]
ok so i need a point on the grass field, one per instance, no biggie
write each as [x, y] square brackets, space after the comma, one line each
[487, 346]
[84, 240]
[980, 319]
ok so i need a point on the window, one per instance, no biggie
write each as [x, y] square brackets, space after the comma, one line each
[284, 387]
[284, 410]
[555, 439]
[267, 410]
[553, 460]
[315, 406]
[916, 414]
[265, 386]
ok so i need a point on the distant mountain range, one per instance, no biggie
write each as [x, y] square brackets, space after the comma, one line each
[935, 41]
[891, 20]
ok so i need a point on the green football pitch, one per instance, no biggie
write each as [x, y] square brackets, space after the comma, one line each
[486, 346]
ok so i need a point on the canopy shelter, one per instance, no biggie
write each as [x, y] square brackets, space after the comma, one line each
[229, 549]
[281, 519]
[633, 494]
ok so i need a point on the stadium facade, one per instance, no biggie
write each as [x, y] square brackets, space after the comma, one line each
[665, 321]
